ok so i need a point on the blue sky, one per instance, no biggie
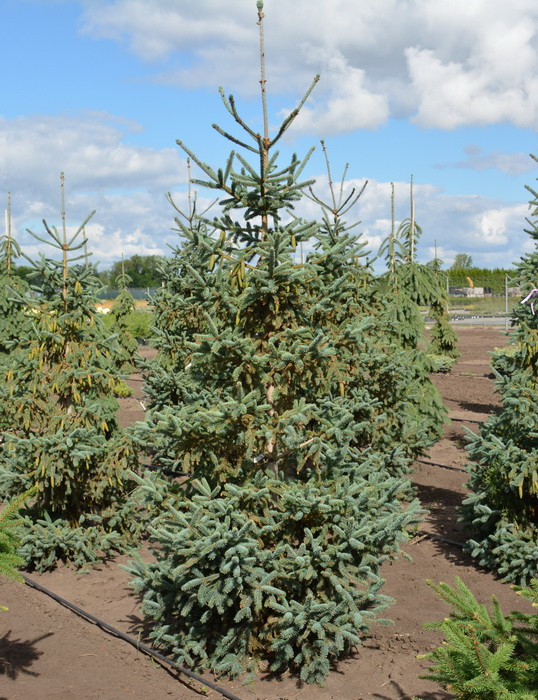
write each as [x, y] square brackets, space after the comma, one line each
[100, 89]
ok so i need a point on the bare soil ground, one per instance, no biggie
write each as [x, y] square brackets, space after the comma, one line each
[49, 653]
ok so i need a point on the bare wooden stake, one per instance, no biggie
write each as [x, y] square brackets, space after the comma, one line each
[412, 225]
[265, 142]
[64, 236]
[8, 233]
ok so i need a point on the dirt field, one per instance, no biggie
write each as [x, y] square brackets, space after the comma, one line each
[47, 652]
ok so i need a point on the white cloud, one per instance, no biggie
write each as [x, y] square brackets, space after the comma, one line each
[509, 163]
[89, 147]
[124, 183]
[492, 225]
[451, 95]
[113, 244]
[488, 230]
[155, 31]
[348, 106]
[448, 64]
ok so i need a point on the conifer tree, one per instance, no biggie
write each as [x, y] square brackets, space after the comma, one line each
[12, 318]
[179, 307]
[443, 351]
[60, 427]
[10, 560]
[124, 304]
[485, 654]
[502, 509]
[347, 293]
[443, 336]
[405, 286]
[272, 546]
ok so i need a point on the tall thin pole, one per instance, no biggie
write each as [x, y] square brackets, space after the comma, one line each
[264, 143]
[392, 252]
[64, 238]
[8, 233]
[505, 302]
[261, 15]
[412, 224]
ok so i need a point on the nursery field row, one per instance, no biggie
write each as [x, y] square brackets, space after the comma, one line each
[384, 667]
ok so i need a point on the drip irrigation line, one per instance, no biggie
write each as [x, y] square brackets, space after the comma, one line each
[167, 472]
[443, 466]
[133, 642]
[467, 420]
[454, 374]
[441, 539]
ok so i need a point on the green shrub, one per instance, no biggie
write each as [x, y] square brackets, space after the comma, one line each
[503, 359]
[501, 510]
[121, 389]
[58, 417]
[139, 324]
[440, 363]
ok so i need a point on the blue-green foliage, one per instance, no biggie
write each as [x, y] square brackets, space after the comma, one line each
[12, 316]
[60, 431]
[277, 569]
[126, 352]
[502, 508]
[293, 413]
[443, 336]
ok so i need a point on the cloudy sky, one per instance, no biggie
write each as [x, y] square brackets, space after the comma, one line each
[101, 89]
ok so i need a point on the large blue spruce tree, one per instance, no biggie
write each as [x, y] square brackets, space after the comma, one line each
[283, 409]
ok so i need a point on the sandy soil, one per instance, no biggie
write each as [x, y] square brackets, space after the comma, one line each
[49, 653]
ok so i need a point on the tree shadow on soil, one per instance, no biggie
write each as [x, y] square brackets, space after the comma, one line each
[442, 505]
[293, 675]
[17, 656]
[457, 437]
[489, 408]
[139, 627]
[402, 695]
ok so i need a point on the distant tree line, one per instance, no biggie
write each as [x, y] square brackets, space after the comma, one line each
[481, 277]
[144, 271]
[462, 269]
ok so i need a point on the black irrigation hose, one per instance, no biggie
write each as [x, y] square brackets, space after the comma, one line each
[133, 642]
[454, 374]
[444, 466]
[166, 472]
[468, 420]
[441, 539]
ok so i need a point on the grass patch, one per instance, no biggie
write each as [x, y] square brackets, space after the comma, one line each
[480, 306]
